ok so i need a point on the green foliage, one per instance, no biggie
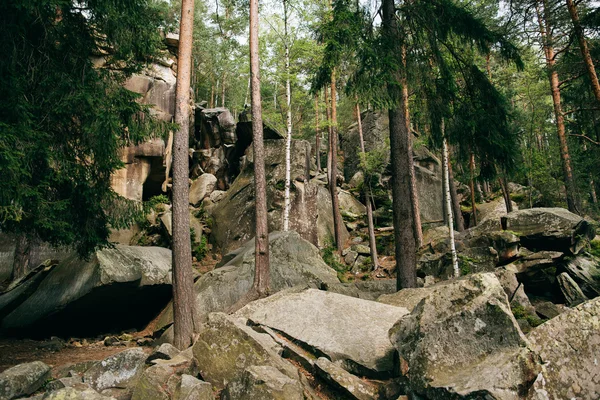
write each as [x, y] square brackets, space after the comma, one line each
[519, 312]
[595, 248]
[63, 121]
[331, 258]
[155, 201]
[201, 250]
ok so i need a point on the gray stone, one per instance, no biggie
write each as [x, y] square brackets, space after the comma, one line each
[355, 332]
[553, 229]
[310, 214]
[73, 381]
[350, 204]
[226, 347]
[70, 393]
[570, 289]
[165, 351]
[201, 187]
[362, 249]
[293, 261]
[192, 388]
[514, 291]
[263, 383]
[71, 292]
[366, 290]
[23, 379]
[217, 195]
[547, 309]
[340, 379]
[537, 272]
[585, 270]
[350, 257]
[361, 264]
[117, 371]
[462, 340]
[568, 346]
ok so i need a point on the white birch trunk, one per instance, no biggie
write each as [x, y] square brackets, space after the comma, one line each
[448, 201]
[288, 144]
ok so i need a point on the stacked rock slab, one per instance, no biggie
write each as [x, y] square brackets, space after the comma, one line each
[462, 340]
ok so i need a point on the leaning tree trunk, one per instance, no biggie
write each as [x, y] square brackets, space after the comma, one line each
[288, 142]
[447, 199]
[472, 188]
[261, 273]
[505, 193]
[404, 238]
[337, 218]
[183, 281]
[544, 23]
[367, 189]
[458, 218]
[414, 194]
[585, 52]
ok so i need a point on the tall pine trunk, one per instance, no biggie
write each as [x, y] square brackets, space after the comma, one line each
[183, 281]
[448, 201]
[472, 189]
[317, 134]
[544, 23]
[337, 218]
[288, 142]
[367, 189]
[414, 194]
[404, 238]
[261, 273]
[330, 134]
[585, 51]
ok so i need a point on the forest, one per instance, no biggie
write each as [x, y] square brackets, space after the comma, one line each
[299, 199]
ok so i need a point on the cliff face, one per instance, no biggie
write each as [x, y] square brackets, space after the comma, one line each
[428, 168]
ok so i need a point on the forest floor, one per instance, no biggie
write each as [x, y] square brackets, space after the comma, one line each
[17, 351]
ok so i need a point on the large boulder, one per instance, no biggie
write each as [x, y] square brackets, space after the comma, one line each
[310, 213]
[345, 329]
[121, 287]
[201, 187]
[568, 346]
[585, 270]
[263, 383]
[554, 229]
[120, 370]
[293, 261]
[226, 347]
[462, 341]
[23, 379]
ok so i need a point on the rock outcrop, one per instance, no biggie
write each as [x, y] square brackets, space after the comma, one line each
[345, 329]
[568, 347]
[293, 261]
[310, 215]
[462, 341]
[122, 287]
[23, 379]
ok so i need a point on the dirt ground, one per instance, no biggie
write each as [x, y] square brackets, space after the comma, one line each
[17, 351]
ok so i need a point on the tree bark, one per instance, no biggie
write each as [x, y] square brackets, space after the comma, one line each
[337, 218]
[317, 134]
[404, 238]
[585, 52]
[367, 192]
[472, 188]
[447, 199]
[21, 258]
[261, 272]
[183, 281]
[414, 194]
[543, 19]
[505, 193]
[458, 218]
[288, 142]
[330, 133]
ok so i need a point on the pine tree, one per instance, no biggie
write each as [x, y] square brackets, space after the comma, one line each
[63, 120]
